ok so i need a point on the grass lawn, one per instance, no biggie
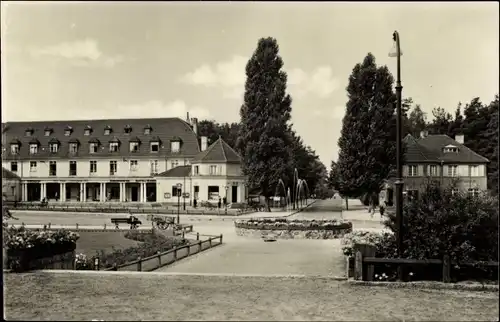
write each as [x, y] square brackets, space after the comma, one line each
[116, 296]
[90, 242]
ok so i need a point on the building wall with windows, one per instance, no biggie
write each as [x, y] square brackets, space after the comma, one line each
[11, 186]
[96, 160]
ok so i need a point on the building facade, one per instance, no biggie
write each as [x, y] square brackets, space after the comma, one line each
[97, 160]
[213, 174]
[443, 159]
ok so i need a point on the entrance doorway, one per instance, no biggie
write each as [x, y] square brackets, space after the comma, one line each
[234, 194]
[134, 193]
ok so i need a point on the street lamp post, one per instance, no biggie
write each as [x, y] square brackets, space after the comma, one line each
[179, 189]
[399, 151]
[184, 195]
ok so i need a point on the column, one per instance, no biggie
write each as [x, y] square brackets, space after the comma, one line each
[84, 191]
[24, 194]
[122, 192]
[143, 192]
[42, 191]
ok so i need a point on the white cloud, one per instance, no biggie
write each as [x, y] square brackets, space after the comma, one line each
[80, 53]
[335, 113]
[229, 77]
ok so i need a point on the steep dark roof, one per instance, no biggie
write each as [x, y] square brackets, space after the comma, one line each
[177, 172]
[6, 174]
[164, 129]
[436, 143]
[430, 149]
[219, 151]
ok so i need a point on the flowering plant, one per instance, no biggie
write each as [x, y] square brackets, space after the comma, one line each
[282, 223]
[382, 240]
[21, 238]
[83, 262]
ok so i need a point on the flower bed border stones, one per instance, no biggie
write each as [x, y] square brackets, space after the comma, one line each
[281, 228]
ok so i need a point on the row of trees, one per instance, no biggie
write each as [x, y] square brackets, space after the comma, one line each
[264, 137]
[367, 143]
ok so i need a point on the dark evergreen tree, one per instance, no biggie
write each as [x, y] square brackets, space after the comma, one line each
[264, 139]
[367, 142]
[212, 130]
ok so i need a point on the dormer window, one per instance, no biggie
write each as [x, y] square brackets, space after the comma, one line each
[53, 145]
[73, 145]
[175, 145]
[88, 130]
[147, 129]
[29, 132]
[33, 148]
[450, 149]
[128, 129]
[114, 144]
[93, 146]
[155, 144]
[14, 148]
[134, 144]
[48, 131]
[107, 130]
[68, 130]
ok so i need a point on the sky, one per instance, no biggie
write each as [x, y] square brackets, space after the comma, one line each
[84, 60]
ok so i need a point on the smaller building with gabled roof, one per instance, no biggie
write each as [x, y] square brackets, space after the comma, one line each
[11, 186]
[213, 174]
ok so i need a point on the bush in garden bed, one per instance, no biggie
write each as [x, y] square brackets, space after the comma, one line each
[150, 245]
[284, 224]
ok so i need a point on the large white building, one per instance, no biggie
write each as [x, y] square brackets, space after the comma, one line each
[119, 160]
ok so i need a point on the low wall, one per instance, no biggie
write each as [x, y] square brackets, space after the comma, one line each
[61, 257]
[293, 234]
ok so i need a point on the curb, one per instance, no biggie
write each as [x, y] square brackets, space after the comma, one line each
[429, 285]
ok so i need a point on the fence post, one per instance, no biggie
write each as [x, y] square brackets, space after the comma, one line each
[175, 254]
[159, 259]
[96, 263]
[104, 226]
[446, 269]
[366, 251]
[139, 264]
[210, 242]
[77, 226]
[199, 245]
[221, 238]
[115, 267]
[188, 250]
[183, 231]
[358, 266]
[197, 236]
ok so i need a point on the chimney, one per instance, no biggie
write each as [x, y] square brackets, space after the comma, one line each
[204, 143]
[187, 118]
[194, 124]
[424, 134]
[460, 138]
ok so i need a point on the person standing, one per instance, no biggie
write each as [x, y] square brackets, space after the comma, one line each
[219, 203]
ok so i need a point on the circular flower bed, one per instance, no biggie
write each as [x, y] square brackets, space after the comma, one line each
[292, 229]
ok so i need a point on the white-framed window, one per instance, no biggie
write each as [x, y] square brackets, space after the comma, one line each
[54, 147]
[72, 168]
[13, 166]
[113, 147]
[87, 132]
[52, 168]
[196, 170]
[452, 170]
[33, 148]
[433, 170]
[154, 166]
[68, 130]
[107, 131]
[213, 170]
[14, 148]
[93, 147]
[412, 170]
[175, 146]
[155, 146]
[33, 166]
[213, 193]
[48, 132]
[147, 131]
[473, 192]
[450, 149]
[134, 146]
[474, 171]
[93, 166]
[28, 132]
[113, 167]
[134, 165]
[73, 147]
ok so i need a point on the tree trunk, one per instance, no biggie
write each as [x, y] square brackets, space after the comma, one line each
[346, 203]
[268, 207]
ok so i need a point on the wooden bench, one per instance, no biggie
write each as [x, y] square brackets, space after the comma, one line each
[132, 221]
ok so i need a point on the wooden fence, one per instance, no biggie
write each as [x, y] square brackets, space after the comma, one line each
[156, 261]
[104, 227]
[365, 261]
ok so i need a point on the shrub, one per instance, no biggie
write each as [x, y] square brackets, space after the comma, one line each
[385, 242]
[439, 223]
[150, 245]
[284, 224]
